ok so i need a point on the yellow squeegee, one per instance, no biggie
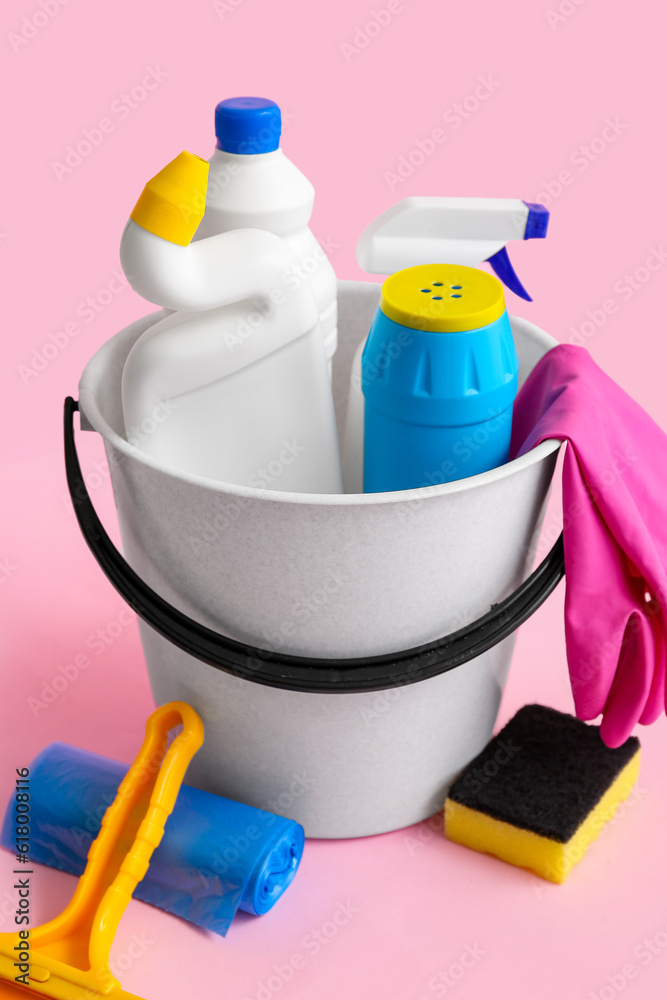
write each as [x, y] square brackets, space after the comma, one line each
[68, 957]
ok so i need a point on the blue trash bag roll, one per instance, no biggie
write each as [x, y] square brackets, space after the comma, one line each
[216, 857]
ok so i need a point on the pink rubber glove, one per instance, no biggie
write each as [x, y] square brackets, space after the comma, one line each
[615, 535]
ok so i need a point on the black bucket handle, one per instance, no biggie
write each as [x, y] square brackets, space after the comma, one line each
[301, 673]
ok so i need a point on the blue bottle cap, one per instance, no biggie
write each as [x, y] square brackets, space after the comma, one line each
[247, 125]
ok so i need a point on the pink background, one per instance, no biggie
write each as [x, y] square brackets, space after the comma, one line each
[554, 82]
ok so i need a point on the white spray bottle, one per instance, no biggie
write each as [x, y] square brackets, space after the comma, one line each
[238, 370]
[435, 231]
[251, 183]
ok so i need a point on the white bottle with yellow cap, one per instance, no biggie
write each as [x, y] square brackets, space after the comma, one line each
[238, 370]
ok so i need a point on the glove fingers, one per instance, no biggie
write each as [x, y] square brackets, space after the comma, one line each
[655, 703]
[632, 682]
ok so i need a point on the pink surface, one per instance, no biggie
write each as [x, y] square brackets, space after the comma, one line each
[558, 102]
[614, 484]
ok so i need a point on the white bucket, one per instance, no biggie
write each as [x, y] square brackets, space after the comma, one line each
[327, 576]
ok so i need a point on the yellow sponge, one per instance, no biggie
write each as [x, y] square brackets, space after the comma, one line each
[541, 792]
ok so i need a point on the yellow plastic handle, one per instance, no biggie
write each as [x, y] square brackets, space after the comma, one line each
[69, 956]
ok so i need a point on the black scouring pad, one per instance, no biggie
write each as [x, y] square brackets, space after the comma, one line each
[541, 791]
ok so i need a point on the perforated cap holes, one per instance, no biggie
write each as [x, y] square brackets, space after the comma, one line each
[440, 284]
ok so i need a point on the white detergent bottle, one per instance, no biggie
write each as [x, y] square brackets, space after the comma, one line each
[234, 381]
[251, 183]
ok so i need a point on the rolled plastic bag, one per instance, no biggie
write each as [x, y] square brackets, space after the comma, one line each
[216, 857]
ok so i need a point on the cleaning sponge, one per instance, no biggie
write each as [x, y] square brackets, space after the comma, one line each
[540, 792]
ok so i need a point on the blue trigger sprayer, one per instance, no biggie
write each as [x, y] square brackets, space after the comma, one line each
[438, 368]
[453, 231]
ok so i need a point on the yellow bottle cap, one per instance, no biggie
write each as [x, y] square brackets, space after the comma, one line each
[172, 203]
[444, 298]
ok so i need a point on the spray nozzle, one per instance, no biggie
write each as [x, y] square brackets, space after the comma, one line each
[454, 231]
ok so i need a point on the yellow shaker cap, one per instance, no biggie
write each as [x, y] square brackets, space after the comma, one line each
[444, 298]
[172, 203]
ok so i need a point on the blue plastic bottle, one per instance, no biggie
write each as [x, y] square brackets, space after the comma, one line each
[439, 376]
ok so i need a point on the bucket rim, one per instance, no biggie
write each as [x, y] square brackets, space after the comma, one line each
[94, 419]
